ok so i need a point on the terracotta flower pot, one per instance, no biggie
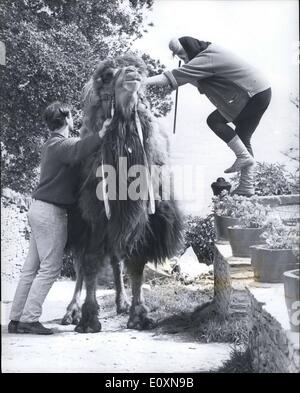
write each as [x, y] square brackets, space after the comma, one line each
[269, 265]
[221, 224]
[291, 281]
[242, 238]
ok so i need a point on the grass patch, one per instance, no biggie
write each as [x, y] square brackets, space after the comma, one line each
[229, 330]
[172, 298]
[176, 308]
[239, 362]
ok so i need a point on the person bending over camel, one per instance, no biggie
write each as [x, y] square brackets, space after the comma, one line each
[238, 91]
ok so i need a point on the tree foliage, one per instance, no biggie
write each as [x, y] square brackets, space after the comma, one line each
[52, 47]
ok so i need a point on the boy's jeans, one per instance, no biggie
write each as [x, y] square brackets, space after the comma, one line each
[44, 260]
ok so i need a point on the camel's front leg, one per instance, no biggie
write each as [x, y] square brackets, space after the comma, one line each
[138, 316]
[89, 322]
[122, 302]
[73, 313]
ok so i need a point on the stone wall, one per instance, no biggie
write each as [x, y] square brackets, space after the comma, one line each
[273, 348]
[284, 206]
[280, 200]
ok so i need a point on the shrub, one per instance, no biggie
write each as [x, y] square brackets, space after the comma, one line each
[252, 214]
[199, 234]
[272, 179]
[280, 236]
[227, 205]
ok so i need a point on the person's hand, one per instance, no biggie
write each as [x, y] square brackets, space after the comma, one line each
[104, 128]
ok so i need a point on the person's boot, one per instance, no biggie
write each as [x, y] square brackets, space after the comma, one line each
[33, 328]
[13, 327]
[246, 184]
[243, 157]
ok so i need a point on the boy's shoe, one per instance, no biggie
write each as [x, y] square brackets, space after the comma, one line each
[33, 328]
[13, 327]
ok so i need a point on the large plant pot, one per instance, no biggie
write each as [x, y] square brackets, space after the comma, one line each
[269, 265]
[221, 225]
[291, 281]
[242, 238]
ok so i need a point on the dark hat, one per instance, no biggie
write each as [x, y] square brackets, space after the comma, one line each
[220, 185]
[192, 46]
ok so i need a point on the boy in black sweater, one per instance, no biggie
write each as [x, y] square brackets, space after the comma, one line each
[48, 217]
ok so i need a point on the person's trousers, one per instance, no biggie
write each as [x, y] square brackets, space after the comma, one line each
[245, 123]
[44, 260]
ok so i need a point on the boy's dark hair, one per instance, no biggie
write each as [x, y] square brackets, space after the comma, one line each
[55, 115]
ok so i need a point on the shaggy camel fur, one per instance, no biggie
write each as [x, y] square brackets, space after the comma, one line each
[130, 232]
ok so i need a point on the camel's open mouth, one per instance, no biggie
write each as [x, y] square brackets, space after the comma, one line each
[132, 76]
[133, 79]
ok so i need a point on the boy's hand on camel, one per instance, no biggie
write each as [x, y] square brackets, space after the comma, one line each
[104, 128]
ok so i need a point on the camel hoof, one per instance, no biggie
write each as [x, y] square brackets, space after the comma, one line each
[80, 329]
[94, 327]
[123, 307]
[76, 319]
[72, 318]
[144, 323]
[139, 320]
[67, 320]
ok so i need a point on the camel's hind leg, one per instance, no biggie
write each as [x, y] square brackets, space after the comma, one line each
[89, 322]
[122, 302]
[138, 317]
[73, 313]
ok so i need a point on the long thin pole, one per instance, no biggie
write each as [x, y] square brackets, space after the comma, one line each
[176, 101]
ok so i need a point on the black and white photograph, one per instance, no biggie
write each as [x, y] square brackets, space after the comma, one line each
[150, 219]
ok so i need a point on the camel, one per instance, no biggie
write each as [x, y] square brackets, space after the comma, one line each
[127, 232]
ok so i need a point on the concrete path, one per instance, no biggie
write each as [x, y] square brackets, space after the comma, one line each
[115, 349]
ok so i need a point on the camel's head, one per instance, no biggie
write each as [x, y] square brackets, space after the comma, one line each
[118, 83]
[127, 84]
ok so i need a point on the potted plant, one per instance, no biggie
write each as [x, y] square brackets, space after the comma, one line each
[225, 208]
[252, 220]
[278, 254]
[291, 281]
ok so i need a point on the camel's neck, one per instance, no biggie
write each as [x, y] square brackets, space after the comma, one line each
[126, 104]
